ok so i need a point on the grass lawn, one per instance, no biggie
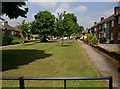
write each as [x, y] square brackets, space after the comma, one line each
[48, 60]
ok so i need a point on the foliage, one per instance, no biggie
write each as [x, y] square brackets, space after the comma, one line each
[94, 40]
[91, 39]
[14, 9]
[16, 40]
[25, 29]
[66, 24]
[24, 26]
[7, 37]
[43, 24]
[102, 40]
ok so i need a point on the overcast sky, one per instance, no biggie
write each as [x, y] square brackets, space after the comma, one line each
[86, 12]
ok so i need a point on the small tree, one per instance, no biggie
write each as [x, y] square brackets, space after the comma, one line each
[24, 27]
[7, 37]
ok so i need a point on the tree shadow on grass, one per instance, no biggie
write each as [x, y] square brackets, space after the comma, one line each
[12, 59]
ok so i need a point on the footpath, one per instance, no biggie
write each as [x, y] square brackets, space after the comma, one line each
[105, 65]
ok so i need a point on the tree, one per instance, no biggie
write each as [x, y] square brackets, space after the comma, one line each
[24, 27]
[60, 27]
[14, 9]
[78, 30]
[65, 24]
[43, 24]
[70, 22]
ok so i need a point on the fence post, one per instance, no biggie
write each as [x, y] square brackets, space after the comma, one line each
[110, 82]
[21, 82]
[64, 84]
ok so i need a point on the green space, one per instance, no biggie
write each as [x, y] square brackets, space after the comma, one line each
[48, 59]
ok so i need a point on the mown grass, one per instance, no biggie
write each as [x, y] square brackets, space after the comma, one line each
[48, 60]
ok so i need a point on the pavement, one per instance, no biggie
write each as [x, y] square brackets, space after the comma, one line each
[105, 64]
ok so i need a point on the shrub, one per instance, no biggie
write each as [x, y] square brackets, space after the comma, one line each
[16, 40]
[94, 40]
[7, 37]
[102, 40]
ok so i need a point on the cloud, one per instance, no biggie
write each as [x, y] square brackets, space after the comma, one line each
[47, 4]
[73, 0]
[81, 9]
[65, 6]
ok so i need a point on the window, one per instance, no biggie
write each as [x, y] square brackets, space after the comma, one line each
[95, 29]
[99, 26]
[105, 25]
[111, 36]
[112, 23]
[12, 32]
[119, 20]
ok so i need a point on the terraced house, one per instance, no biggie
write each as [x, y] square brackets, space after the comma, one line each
[108, 28]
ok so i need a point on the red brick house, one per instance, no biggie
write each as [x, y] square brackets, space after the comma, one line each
[108, 28]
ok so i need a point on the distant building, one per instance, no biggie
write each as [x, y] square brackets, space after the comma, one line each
[108, 28]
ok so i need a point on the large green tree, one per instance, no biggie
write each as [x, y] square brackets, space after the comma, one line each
[44, 24]
[14, 9]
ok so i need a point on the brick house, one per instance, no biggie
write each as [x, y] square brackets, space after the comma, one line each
[108, 28]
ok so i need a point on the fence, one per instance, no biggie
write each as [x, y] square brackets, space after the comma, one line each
[21, 79]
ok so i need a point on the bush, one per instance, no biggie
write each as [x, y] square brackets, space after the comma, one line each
[16, 40]
[7, 37]
[103, 40]
[94, 40]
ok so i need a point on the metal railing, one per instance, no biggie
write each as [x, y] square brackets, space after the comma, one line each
[21, 79]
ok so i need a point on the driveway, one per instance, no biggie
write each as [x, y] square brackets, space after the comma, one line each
[105, 65]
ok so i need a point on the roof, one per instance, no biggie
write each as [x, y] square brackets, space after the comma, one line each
[16, 28]
[8, 27]
[112, 17]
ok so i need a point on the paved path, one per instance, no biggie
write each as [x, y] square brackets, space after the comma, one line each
[105, 65]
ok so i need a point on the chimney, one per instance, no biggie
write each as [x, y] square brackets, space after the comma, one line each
[95, 23]
[116, 10]
[102, 19]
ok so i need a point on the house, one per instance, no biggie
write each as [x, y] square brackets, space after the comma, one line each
[13, 31]
[108, 28]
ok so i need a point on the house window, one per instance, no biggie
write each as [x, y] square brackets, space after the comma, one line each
[111, 36]
[12, 32]
[112, 23]
[95, 29]
[119, 20]
[105, 25]
[99, 26]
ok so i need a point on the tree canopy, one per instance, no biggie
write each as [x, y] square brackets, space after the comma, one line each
[43, 24]
[14, 9]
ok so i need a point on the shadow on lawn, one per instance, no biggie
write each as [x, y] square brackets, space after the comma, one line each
[12, 59]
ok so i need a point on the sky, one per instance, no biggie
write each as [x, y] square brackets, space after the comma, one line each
[86, 12]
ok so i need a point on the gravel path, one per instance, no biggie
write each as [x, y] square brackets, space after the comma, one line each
[105, 65]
